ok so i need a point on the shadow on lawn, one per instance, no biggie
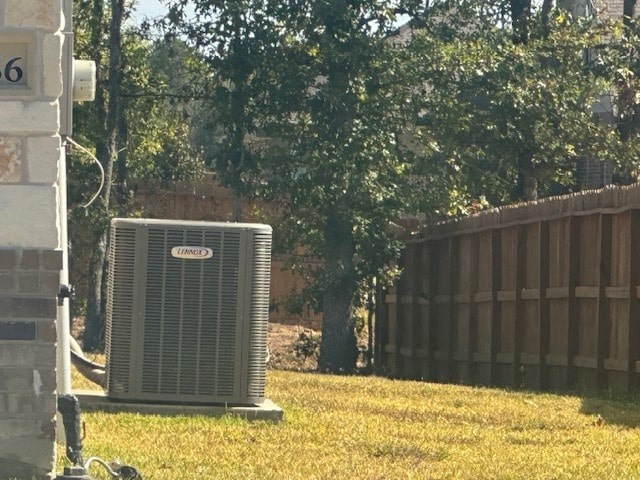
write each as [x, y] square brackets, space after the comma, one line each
[614, 410]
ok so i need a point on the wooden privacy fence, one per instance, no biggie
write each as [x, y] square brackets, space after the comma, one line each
[544, 295]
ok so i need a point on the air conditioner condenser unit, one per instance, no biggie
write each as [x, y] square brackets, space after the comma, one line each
[187, 311]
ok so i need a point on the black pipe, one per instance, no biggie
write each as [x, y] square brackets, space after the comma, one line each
[69, 408]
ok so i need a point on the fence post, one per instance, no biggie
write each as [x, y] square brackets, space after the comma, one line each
[404, 314]
[464, 280]
[424, 335]
[410, 315]
[517, 376]
[622, 301]
[602, 303]
[472, 335]
[496, 314]
[454, 267]
[381, 328]
[634, 302]
[444, 300]
[432, 296]
[543, 305]
[394, 329]
[573, 312]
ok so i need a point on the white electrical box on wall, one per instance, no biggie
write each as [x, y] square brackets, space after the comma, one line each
[79, 76]
[84, 80]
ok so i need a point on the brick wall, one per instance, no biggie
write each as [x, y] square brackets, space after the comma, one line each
[30, 254]
[28, 287]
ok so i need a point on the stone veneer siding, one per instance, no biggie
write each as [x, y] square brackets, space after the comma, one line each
[30, 251]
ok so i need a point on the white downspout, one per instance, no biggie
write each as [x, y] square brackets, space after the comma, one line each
[64, 353]
[63, 313]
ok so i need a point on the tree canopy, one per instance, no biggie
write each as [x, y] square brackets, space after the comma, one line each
[508, 121]
[348, 121]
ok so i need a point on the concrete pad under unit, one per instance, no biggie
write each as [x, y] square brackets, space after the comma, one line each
[95, 400]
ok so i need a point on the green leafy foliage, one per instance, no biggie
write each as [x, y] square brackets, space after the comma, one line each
[616, 58]
[307, 346]
[507, 121]
[233, 40]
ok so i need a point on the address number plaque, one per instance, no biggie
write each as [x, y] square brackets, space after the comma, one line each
[13, 65]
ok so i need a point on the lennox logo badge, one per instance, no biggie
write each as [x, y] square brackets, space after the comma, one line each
[192, 253]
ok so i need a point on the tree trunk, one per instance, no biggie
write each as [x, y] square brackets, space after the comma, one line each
[94, 320]
[237, 166]
[547, 5]
[629, 9]
[93, 337]
[527, 186]
[121, 168]
[520, 18]
[371, 308]
[239, 100]
[236, 207]
[338, 349]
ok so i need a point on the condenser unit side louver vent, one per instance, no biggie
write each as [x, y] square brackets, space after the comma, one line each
[120, 303]
[194, 328]
[260, 312]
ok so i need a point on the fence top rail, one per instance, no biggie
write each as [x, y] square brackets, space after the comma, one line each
[609, 200]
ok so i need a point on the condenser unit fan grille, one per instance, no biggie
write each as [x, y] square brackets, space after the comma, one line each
[190, 315]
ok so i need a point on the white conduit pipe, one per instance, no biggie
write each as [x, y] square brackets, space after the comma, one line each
[63, 315]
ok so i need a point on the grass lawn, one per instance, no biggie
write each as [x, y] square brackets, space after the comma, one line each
[375, 428]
